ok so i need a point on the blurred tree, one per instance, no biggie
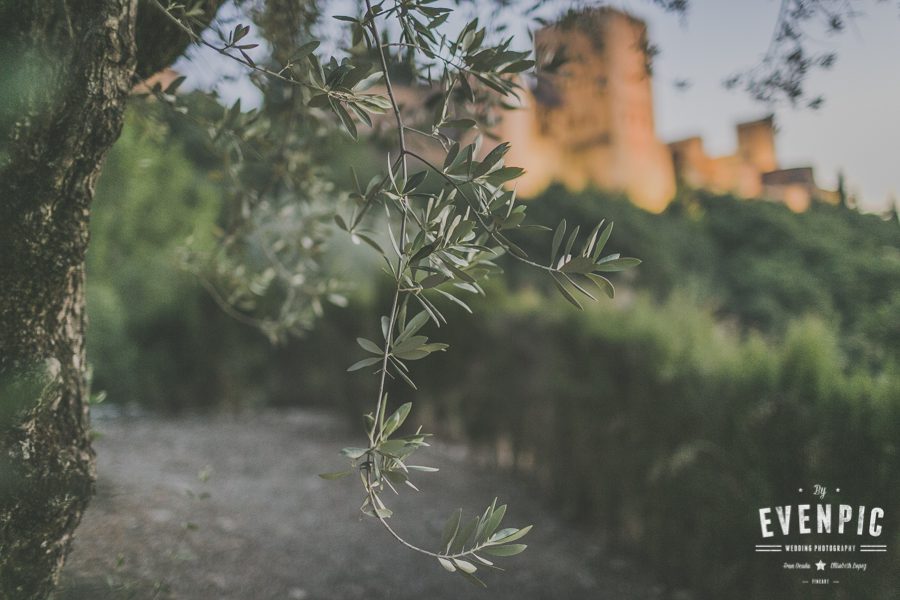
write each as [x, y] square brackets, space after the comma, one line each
[843, 201]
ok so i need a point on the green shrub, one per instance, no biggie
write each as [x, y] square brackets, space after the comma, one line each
[666, 429]
[155, 337]
[758, 263]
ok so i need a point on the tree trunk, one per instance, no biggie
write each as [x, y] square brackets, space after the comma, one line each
[67, 67]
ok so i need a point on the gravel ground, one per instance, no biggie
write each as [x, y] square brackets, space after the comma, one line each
[231, 508]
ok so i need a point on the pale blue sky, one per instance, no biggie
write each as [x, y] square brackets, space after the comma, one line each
[857, 129]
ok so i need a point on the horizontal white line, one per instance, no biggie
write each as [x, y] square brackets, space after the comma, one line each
[770, 550]
[768, 545]
[873, 546]
[873, 550]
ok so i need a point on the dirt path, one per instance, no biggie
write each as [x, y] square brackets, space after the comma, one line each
[263, 526]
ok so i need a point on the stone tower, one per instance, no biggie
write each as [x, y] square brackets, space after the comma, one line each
[756, 144]
[591, 123]
[738, 173]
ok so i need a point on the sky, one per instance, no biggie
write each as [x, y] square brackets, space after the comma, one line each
[857, 130]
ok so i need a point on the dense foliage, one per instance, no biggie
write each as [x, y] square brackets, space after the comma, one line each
[448, 235]
[667, 431]
[668, 419]
[663, 420]
[754, 348]
[152, 336]
[760, 265]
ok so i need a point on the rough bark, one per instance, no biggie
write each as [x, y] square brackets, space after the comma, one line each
[66, 69]
[74, 63]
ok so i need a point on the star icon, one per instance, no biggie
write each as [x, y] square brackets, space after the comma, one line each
[820, 566]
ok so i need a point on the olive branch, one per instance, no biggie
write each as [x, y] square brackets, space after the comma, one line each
[455, 218]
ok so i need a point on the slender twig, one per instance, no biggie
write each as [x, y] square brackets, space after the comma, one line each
[443, 59]
[197, 38]
[376, 433]
[389, 87]
[492, 231]
[777, 30]
[378, 421]
[400, 538]
[401, 136]
[226, 306]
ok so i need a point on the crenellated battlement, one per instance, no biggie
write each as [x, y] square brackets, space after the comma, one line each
[592, 123]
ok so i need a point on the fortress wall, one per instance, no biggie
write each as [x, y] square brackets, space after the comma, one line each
[739, 173]
[642, 164]
[592, 123]
[756, 144]
[528, 148]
